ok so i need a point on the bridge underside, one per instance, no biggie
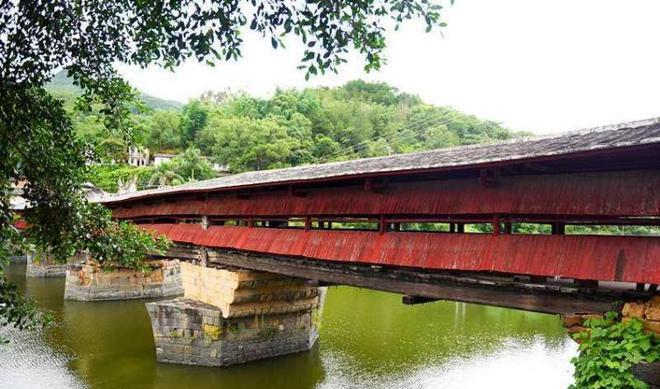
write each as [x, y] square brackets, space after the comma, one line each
[554, 296]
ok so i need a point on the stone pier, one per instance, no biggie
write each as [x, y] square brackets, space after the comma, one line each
[234, 316]
[89, 282]
[18, 258]
[647, 312]
[41, 264]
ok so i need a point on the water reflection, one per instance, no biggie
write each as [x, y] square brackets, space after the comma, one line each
[368, 339]
[31, 360]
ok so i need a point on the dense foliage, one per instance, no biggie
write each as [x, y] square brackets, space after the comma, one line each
[609, 349]
[190, 166]
[291, 128]
[357, 120]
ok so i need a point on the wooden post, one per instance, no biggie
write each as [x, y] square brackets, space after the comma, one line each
[308, 223]
[460, 228]
[558, 228]
[496, 225]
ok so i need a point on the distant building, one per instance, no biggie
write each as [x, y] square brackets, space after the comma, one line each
[18, 203]
[220, 170]
[163, 158]
[138, 156]
[16, 200]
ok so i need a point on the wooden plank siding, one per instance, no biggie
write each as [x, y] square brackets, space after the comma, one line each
[602, 258]
[599, 195]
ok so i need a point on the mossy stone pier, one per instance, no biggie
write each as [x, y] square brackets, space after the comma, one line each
[41, 265]
[89, 282]
[235, 316]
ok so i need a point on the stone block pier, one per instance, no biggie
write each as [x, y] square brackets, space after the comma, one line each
[89, 282]
[41, 264]
[234, 316]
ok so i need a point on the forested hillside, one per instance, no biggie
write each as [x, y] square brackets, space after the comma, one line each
[325, 124]
[291, 128]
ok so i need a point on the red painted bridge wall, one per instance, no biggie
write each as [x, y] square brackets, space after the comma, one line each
[604, 258]
[626, 193]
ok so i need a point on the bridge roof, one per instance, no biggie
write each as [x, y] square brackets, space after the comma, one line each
[600, 138]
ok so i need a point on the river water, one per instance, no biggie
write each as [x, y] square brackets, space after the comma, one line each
[368, 339]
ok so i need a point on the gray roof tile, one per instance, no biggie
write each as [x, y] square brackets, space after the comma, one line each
[607, 137]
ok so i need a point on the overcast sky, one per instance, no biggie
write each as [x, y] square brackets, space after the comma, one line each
[542, 66]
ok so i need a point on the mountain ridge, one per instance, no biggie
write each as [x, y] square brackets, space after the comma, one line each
[61, 85]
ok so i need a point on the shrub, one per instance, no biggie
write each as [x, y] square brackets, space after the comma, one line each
[609, 349]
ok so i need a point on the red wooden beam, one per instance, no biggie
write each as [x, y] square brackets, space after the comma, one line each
[599, 195]
[602, 258]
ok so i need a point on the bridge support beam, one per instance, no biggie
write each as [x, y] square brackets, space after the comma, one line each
[235, 316]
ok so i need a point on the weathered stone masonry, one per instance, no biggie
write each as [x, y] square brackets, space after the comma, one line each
[648, 312]
[235, 316]
[88, 282]
[43, 265]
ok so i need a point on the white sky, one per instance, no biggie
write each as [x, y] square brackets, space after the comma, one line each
[537, 65]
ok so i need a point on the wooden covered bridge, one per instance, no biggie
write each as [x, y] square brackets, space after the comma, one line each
[442, 224]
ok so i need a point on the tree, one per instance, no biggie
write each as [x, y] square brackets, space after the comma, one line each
[163, 128]
[251, 144]
[191, 166]
[38, 38]
[165, 175]
[359, 119]
[194, 119]
[112, 148]
[325, 146]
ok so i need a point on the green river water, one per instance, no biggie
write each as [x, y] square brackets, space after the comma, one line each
[368, 339]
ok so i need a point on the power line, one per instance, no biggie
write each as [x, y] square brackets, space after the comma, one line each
[395, 137]
[395, 134]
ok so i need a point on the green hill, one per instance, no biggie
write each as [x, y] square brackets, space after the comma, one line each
[62, 86]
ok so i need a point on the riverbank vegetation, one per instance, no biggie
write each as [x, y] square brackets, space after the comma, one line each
[609, 348]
